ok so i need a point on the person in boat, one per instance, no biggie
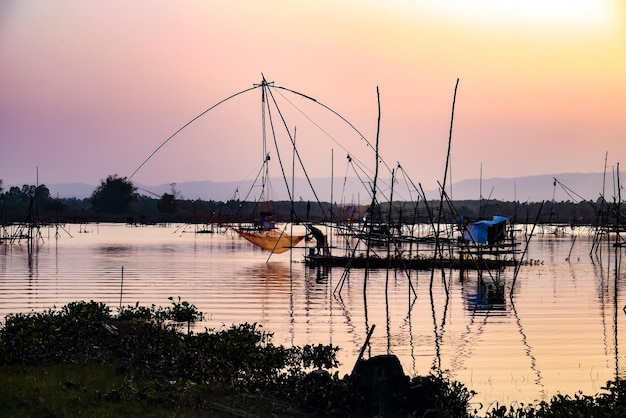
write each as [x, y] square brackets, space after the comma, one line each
[320, 241]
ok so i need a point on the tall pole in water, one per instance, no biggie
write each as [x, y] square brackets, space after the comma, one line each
[438, 251]
[373, 204]
[332, 186]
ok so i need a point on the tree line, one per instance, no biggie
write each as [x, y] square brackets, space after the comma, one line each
[116, 199]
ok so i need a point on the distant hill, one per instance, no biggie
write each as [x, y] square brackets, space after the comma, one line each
[569, 186]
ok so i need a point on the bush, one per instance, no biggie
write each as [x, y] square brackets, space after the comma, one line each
[159, 365]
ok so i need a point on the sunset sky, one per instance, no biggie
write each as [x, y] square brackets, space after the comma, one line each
[91, 88]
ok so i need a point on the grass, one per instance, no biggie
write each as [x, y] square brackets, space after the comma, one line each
[72, 390]
[98, 391]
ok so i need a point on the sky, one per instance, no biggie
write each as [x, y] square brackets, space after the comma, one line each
[90, 88]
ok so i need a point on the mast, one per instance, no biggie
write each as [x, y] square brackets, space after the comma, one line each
[265, 156]
[332, 187]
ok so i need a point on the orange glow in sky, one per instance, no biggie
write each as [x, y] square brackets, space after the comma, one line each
[91, 88]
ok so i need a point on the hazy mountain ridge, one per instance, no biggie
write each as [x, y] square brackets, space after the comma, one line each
[569, 186]
[560, 187]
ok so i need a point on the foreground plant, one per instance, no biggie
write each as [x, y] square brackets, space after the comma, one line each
[141, 358]
[610, 404]
[156, 361]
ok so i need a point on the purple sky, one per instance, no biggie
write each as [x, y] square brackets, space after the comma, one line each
[91, 88]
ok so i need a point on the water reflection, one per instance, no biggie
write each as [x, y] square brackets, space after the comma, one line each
[438, 329]
[321, 274]
[114, 249]
[273, 271]
[484, 292]
[33, 259]
[618, 263]
[558, 331]
[529, 352]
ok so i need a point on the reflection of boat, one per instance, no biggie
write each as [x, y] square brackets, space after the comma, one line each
[488, 298]
[486, 295]
[279, 272]
[271, 240]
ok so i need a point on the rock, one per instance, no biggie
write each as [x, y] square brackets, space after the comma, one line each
[379, 386]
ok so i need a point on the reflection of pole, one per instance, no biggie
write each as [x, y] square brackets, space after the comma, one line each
[387, 320]
[122, 286]
[291, 310]
[410, 322]
[330, 302]
[293, 191]
[618, 257]
[519, 264]
[437, 348]
[439, 330]
[571, 248]
[533, 361]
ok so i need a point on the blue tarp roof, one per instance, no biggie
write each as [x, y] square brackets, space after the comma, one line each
[479, 231]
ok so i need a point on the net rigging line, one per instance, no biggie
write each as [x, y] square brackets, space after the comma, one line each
[333, 139]
[271, 89]
[186, 125]
[266, 85]
[568, 191]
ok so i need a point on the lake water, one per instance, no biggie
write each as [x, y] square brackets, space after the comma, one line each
[558, 333]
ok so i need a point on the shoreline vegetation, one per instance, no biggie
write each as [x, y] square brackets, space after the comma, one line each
[117, 200]
[83, 359]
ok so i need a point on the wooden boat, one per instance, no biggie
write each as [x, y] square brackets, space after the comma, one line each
[417, 263]
[485, 244]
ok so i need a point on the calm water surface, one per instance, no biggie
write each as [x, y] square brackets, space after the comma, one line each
[559, 333]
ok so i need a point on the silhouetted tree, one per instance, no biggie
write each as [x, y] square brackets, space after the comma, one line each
[167, 203]
[114, 195]
[25, 202]
[42, 198]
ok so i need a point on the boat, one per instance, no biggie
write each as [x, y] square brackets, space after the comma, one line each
[376, 261]
[483, 244]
